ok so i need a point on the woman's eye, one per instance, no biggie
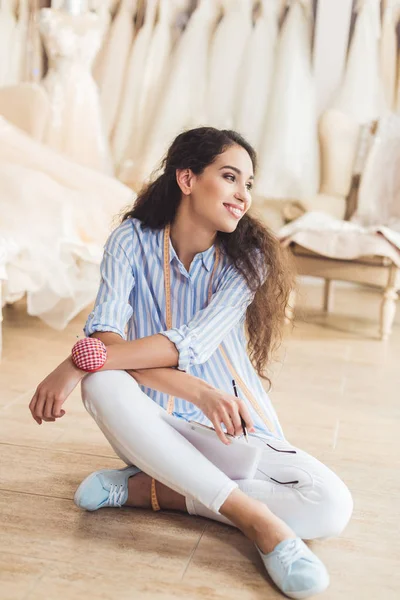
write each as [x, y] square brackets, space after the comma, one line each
[231, 177]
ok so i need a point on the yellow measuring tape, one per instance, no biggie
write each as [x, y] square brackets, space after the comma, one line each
[235, 375]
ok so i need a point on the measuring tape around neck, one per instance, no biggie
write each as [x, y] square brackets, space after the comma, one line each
[235, 375]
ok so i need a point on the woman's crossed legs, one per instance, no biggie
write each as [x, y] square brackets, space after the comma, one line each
[292, 491]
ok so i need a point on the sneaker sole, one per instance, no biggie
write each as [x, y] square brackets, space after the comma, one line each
[307, 593]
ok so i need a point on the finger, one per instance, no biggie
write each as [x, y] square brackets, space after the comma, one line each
[57, 410]
[235, 418]
[48, 408]
[32, 406]
[220, 433]
[38, 412]
[245, 413]
[224, 417]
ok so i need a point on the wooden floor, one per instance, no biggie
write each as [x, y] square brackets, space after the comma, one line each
[337, 394]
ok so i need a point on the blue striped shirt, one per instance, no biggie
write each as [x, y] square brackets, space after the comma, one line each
[131, 303]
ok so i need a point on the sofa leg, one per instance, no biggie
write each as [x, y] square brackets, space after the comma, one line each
[388, 305]
[328, 295]
[388, 311]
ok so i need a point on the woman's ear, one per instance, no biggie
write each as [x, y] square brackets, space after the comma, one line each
[184, 178]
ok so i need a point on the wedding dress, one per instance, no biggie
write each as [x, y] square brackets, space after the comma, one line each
[130, 113]
[17, 62]
[361, 93]
[55, 216]
[148, 78]
[289, 163]
[75, 123]
[103, 9]
[115, 62]
[183, 102]
[7, 36]
[388, 50]
[256, 74]
[226, 53]
[35, 50]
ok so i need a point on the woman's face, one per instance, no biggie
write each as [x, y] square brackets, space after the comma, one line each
[221, 195]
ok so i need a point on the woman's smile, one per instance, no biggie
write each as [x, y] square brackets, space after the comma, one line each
[234, 210]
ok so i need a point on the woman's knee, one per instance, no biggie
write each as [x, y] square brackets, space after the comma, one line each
[98, 388]
[336, 509]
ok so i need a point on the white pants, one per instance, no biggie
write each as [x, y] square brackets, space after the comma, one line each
[296, 487]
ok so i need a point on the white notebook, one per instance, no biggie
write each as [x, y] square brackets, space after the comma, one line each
[239, 460]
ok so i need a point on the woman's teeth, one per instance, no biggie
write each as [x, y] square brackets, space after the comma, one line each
[236, 212]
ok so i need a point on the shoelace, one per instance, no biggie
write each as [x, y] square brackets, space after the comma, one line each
[116, 493]
[290, 553]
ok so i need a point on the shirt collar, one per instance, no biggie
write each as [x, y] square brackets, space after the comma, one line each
[207, 257]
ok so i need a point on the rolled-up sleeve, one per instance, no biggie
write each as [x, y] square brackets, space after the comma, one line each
[112, 309]
[197, 340]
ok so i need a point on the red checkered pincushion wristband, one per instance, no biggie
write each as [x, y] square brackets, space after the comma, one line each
[89, 354]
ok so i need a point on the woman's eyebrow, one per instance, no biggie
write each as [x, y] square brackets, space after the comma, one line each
[238, 171]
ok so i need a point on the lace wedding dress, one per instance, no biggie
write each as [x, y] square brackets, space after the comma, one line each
[256, 74]
[130, 113]
[226, 53]
[114, 62]
[7, 36]
[150, 73]
[361, 92]
[17, 58]
[55, 216]
[183, 101]
[388, 50]
[75, 123]
[289, 156]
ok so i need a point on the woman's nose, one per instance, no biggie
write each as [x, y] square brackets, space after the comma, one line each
[241, 195]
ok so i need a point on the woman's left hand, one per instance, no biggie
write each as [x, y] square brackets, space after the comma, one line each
[53, 391]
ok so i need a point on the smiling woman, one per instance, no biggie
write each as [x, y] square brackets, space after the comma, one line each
[181, 276]
[205, 193]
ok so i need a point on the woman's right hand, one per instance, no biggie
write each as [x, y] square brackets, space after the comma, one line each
[221, 407]
[52, 392]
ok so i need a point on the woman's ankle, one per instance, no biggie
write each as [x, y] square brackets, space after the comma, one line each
[139, 494]
[256, 521]
[139, 487]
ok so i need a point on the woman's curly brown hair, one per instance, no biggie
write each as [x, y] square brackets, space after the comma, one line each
[249, 246]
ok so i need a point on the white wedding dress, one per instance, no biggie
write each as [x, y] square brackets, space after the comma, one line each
[256, 74]
[103, 9]
[7, 35]
[183, 99]
[75, 124]
[149, 78]
[388, 50]
[289, 157]
[361, 92]
[226, 53]
[114, 62]
[55, 216]
[130, 115]
[17, 62]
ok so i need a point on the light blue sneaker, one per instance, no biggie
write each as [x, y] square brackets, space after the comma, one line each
[296, 571]
[108, 487]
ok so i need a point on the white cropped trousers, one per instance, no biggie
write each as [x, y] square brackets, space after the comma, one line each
[296, 487]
